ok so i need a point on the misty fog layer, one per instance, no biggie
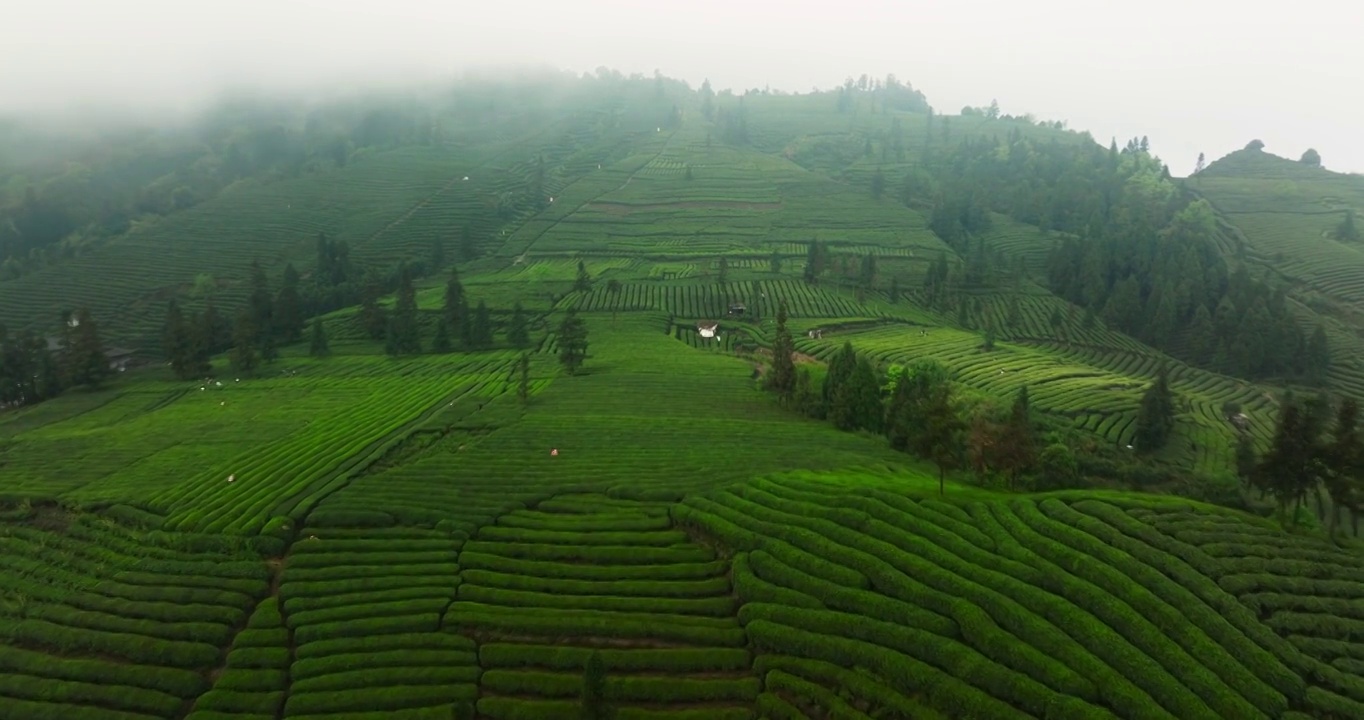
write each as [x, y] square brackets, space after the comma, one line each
[1204, 77]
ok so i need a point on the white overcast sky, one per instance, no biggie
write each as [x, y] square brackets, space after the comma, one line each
[1193, 75]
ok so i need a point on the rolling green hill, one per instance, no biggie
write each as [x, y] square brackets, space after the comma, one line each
[353, 535]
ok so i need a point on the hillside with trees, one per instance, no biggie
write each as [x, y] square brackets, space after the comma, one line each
[611, 396]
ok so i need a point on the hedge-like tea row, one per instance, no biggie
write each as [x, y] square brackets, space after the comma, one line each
[472, 559]
[709, 606]
[624, 688]
[399, 697]
[500, 708]
[830, 703]
[562, 657]
[537, 520]
[602, 554]
[555, 623]
[884, 700]
[706, 587]
[774, 707]
[179, 683]
[752, 588]
[656, 538]
[114, 697]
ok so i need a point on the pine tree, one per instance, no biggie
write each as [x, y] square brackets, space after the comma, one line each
[1318, 356]
[815, 262]
[583, 283]
[1295, 461]
[1344, 462]
[288, 308]
[1018, 440]
[523, 378]
[215, 328]
[840, 398]
[404, 334]
[244, 356]
[317, 344]
[774, 262]
[441, 343]
[1156, 415]
[262, 310]
[722, 274]
[572, 340]
[177, 342]
[782, 377]
[939, 439]
[518, 333]
[482, 327]
[87, 362]
[1346, 230]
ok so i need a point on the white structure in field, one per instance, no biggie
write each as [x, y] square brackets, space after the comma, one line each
[707, 329]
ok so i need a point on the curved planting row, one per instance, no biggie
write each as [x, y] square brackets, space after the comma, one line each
[322, 427]
[996, 609]
[99, 621]
[713, 300]
[1302, 588]
[255, 675]
[543, 589]
[363, 608]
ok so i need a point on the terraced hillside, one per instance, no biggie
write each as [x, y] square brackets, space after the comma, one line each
[1286, 214]
[1064, 606]
[356, 536]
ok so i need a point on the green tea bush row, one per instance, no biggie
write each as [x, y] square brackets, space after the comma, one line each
[569, 658]
[1257, 549]
[171, 681]
[1265, 603]
[474, 560]
[358, 574]
[118, 697]
[531, 520]
[706, 587]
[647, 538]
[134, 517]
[323, 665]
[315, 602]
[372, 678]
[928, 512]
[337, 518]
[261, 637]
[432, 712]
[231, 701]
[720, 521]
[601, 554]
[503, 708]
[637, 688]
[1296, 623]
[136, 648]
[722, 606]
[250, 588]
[16, 709]
[773, 707]
[391, 698]
[258, 658]
[1297, 568]
[954, 658]
[220, 715]
[1160, 629]
[752, 588]
[257, 680]
[928, 564]
[321, 649]
[399, 608]
[1256, 583]
[883, 699]
[858, 602]
[943, 691]
[369, 545]
[1325, 703]
[1187, 565]
[152, 610]
[188, 632]
[303, 561]
[321, 591]
[427, 622]
[1195, 596]
[1087, 645]
[553, 622]
[835, 707]
[1327, 649]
